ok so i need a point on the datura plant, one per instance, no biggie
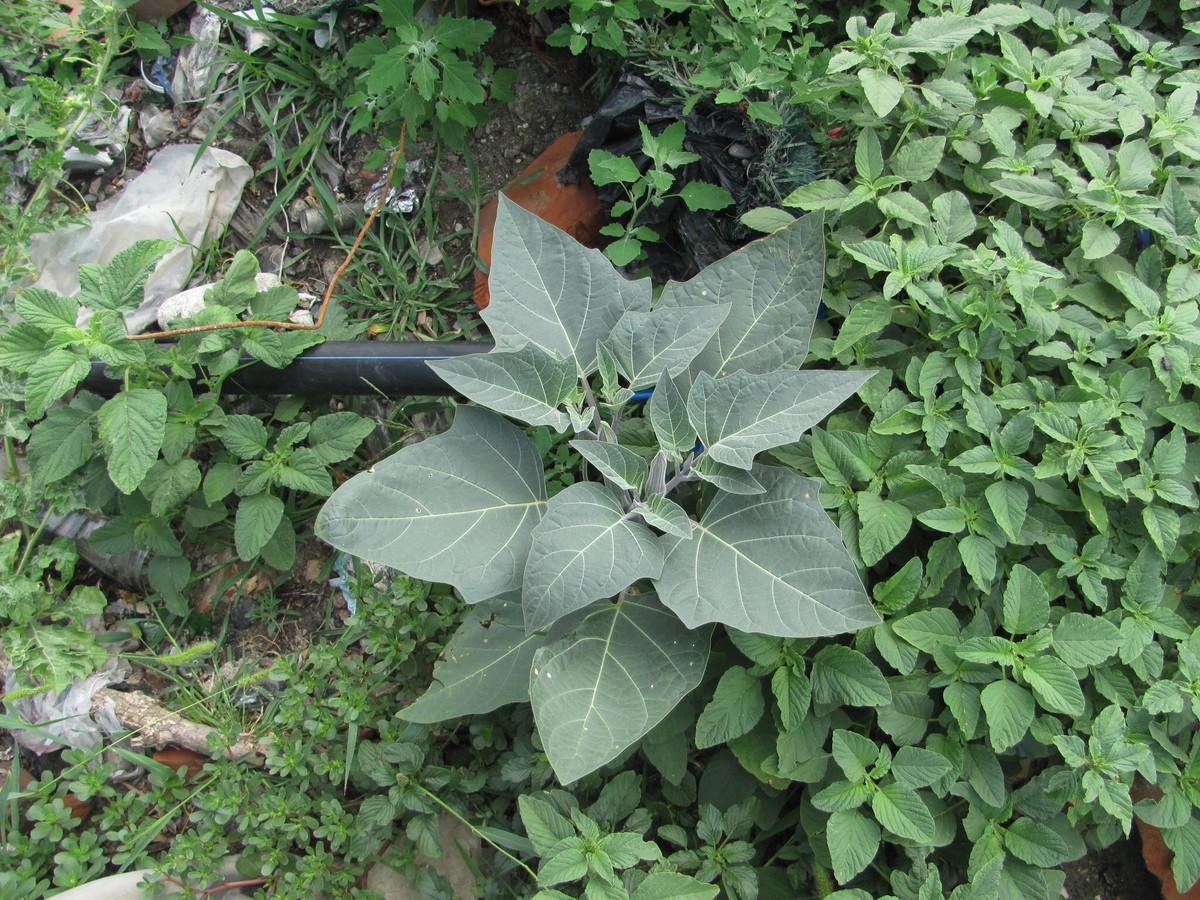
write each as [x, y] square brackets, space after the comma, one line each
[597, 604]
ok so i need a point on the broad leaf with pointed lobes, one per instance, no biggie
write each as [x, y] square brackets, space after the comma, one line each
[610, 681]
[549, 291]
[459, 507]
[486, 663]
[741, 415]
[773, 288]
[527, 384]
[645, 344]
[585, 548]
[770, 563]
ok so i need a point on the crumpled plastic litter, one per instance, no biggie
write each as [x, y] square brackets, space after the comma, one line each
[196, 68]
[66, 718]
[734, 154]
[157, 125]
[171, 199]
[105, 129]
[404, 198]
[253, 39]
[187, 303]
[345, 568]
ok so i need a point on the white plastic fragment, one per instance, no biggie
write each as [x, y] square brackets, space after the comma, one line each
[176, 197]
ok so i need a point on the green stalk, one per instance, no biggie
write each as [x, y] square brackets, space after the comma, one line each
[112, 44]
[31, 543]
[444, 805]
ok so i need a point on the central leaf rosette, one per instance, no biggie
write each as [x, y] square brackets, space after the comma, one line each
[599, 602]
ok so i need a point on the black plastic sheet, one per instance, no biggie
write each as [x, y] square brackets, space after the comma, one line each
[757, 164]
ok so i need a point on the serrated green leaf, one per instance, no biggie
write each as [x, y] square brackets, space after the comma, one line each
[169, 484]
[699, 195]
[244, 436]
[1081, 640]
[917, 160]
[460, 81]
[478, 486]
[735, 708]
[60, 444]
[585, 548]
[674, 886]
[257, 518]
[550, 292]
[901, 811]
[914, 767]
[610, 681]
[741, 415]
[1035, 843]
[882, 525]
[46, 310]
[608, 168]
[883, 91]
[1054, 684]
[1009, 709]
[132, 426]
[336, 437]
[526, 384]
[1026, 602]
[853, 841]
[121, 283]
[1030, 190]
[304, 471]
[797, 581]
[766, 219]
[868, 156]
[1009, 503]
[841, 675]
[51, 377]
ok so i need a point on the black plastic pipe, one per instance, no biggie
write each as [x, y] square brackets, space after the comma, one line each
[391, 368]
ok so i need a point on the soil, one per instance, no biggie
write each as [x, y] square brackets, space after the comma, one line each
[1115, 873]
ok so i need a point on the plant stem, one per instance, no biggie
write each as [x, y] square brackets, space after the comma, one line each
[444, 805]
[591, 402]
[681, 475]
[31, 542]
[825, 885]
[112, 43]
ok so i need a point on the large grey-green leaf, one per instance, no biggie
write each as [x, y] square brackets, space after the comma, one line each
[550, 291]
[459, 507]
[618, 464]
[668, 417]
[647, 343]
[771, 563]
[610, 681]
[585, 548]
[773, 287]
[527, 384]
[484, 666]
[742, 414]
